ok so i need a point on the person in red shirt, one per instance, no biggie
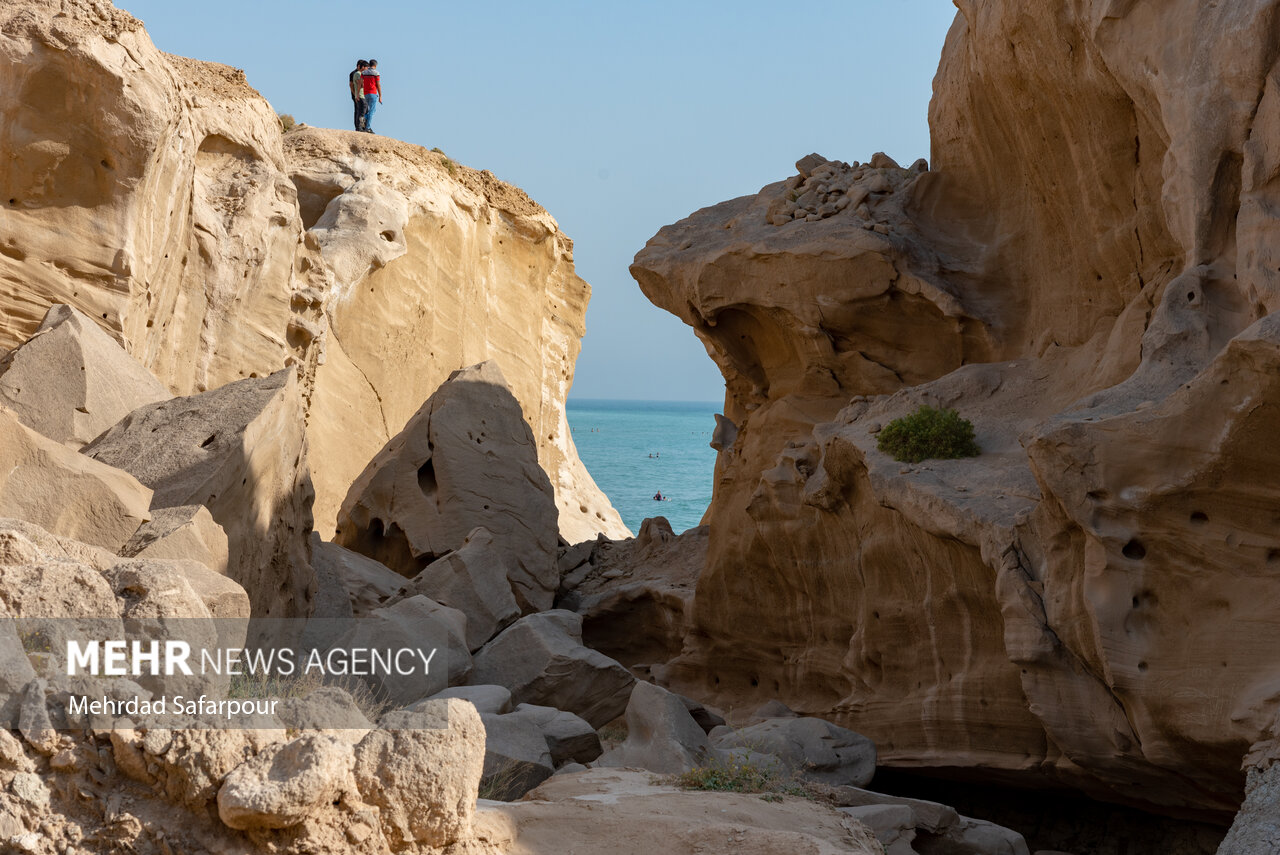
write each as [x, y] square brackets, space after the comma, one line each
[372, 83]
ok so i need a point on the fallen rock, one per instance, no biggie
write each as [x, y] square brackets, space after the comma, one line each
[466, 459]
[286, 784]
[473, 580]
[893, 825]
[979, 837]
[488, 700]
[422, 770]
[540, 658]
[240, 451]
[368, 584]
[661, 734]
[45, 483]
[807, 164]
[929, 816]
[184, 532]
[570, 739]
[421, 624]
[71, 381]
[816, 749]
[516, 756]
[636, 596]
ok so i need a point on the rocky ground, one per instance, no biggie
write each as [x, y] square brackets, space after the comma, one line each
[254, 377]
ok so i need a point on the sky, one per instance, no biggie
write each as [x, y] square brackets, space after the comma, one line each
[619, 118]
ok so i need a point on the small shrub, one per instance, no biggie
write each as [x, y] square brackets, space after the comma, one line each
[287, 122]
[732, 775]
[928, 433]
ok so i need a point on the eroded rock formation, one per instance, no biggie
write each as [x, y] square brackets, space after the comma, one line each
[156, 194]
[1086, 272]
[436, 266]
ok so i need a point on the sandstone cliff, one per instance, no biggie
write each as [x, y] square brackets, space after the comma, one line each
[157, 195]
[436, 266]
[1087, 272]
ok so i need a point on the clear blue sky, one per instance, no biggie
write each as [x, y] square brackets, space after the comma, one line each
[618, 117]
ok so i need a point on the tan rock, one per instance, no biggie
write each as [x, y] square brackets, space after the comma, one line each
[187, 588]
[466, 459]
[287, 784]
[636, 596]
[45, 483]
[399, 226]
[184, 532]
[1117, 368]
[422, 770]
[240, 451]
[563, 815]
[540, 658]
[422, 625]
[661, 735]
[71, 381]
[472, 579]
[367, 583]
[153, 198]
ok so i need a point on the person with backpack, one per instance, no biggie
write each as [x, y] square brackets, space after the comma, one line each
[372, 88]
[355, 83]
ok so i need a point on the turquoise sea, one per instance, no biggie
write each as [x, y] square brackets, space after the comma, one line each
[615, 439]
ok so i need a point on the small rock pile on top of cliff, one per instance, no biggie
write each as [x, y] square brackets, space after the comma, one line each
[1088, 272]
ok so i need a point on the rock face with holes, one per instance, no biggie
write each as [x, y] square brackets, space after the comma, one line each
[423, 250]
[157, 195]
[466, 459]
[240, 451]
[1089, 274]
[148, 191]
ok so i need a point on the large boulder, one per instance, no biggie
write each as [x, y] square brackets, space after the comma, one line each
[524, 747]
[467, 458]
[71, 381]
[185, 532]
[287, 784]
[422, 770]
[422, 625]
[816, 749]
[541, 659]
[661, 734]
[240, 451]
[473, 580]
[516, 756]
[366, 583]
[66, 493]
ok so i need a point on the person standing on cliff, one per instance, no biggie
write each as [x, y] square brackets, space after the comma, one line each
[355, 83]
[372, 88]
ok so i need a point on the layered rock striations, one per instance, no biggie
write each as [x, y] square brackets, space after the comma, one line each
[149, 192]
[1086, 273]
[157, 195]
[436, 266]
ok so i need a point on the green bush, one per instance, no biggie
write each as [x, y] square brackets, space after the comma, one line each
[928, 433]
[733, 774]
